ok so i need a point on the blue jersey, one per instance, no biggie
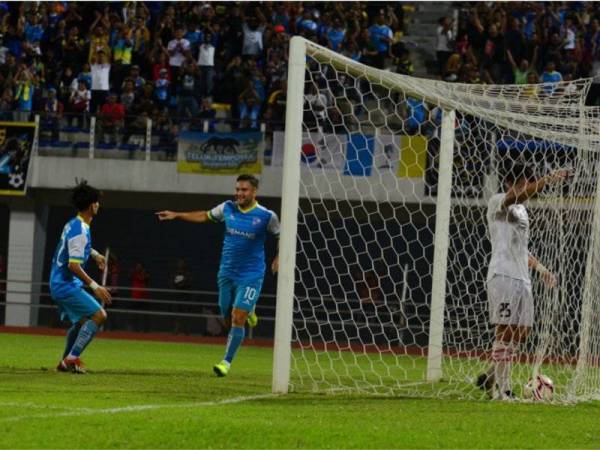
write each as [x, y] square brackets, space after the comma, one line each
[336, 37]
[378, 34]
[551, 77]
[75, 245]
[243, 255]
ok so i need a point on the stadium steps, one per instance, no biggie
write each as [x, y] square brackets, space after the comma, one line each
[421, 34]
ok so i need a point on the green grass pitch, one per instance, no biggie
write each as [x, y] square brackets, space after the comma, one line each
[143, 394]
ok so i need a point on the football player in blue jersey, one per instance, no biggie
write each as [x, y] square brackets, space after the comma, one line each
[67, 278]
[242, 268]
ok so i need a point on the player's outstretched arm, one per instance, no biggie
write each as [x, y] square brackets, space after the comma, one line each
[546, 275]
[528, 190]
[190, 216]
[99, 291]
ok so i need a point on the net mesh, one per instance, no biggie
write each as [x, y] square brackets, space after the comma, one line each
[366, 229]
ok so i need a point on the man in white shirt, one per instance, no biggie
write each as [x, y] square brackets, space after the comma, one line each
[253, 37]
[508, 282]
[206, 62]
[100, 69]
[178, 49]
[444, 40]
[315, 107]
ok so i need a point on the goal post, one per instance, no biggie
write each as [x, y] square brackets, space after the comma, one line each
[440, 258]
[384, 245]
[289, 216]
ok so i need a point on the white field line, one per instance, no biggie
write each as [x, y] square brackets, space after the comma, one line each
[33, 406]
[133, 408]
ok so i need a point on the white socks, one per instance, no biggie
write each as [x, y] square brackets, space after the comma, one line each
[502, 356]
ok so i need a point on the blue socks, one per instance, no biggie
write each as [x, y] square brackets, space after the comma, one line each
[86, 334]
[71, 336]
[236, 336]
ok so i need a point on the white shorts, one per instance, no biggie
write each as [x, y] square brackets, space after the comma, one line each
[510, 301]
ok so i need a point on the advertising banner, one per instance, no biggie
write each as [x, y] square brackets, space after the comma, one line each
[220, 153]
[16, 142]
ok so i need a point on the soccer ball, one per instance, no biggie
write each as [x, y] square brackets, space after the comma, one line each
[16, 180]
[540, 388]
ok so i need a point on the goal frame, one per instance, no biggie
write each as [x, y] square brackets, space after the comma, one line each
[289, 226]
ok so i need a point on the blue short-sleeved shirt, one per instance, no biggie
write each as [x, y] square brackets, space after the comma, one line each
[551, 77]
[336, 37]
[243, 255]
[33, 33]
[75, 245]
[378, 33]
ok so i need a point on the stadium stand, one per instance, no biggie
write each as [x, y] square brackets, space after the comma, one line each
[171, 60]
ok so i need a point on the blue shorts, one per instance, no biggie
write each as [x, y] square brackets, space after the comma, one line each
[238, 294]
[79, 304]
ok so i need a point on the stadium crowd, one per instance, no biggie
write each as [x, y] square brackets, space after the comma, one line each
[522, 43]
[173, 60]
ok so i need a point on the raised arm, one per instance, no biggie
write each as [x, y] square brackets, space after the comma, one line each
[95, 22]
[534, 60]
[190, 216]
[477, 21]
[260, 16]
[511, 60]
[529, 189]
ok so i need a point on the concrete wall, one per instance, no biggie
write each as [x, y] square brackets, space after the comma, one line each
[25, 258]
[162, 177]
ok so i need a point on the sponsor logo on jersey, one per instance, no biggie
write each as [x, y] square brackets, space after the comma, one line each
[236, 232]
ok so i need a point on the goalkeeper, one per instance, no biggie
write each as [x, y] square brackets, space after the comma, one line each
[510, 299]
[242, 268]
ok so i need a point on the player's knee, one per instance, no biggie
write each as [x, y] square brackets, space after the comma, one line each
[238, 317]
[522, 333]
[100, 316]
[504, 333]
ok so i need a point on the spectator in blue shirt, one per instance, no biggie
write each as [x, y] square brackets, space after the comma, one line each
[24, 91]
[306, 22]
[86, 75]
[33, 34]
[335, 35]
[258, 82]
[161, 90]
[381, 36]
[551, 75]
[12, 40]
[417, 114]
[281, 17]
[194, 36]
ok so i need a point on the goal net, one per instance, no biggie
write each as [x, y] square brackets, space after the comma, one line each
[385, 248]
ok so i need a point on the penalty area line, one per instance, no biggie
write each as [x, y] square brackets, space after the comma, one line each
[135, 408]
[29, 405]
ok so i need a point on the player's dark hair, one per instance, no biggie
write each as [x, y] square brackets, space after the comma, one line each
[249, 178]
[516, 172]
[83, 195]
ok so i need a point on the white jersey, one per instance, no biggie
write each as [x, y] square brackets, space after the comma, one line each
[509, 233]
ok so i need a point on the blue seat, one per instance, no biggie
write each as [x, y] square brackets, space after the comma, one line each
[71, 129]
[61, 144]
